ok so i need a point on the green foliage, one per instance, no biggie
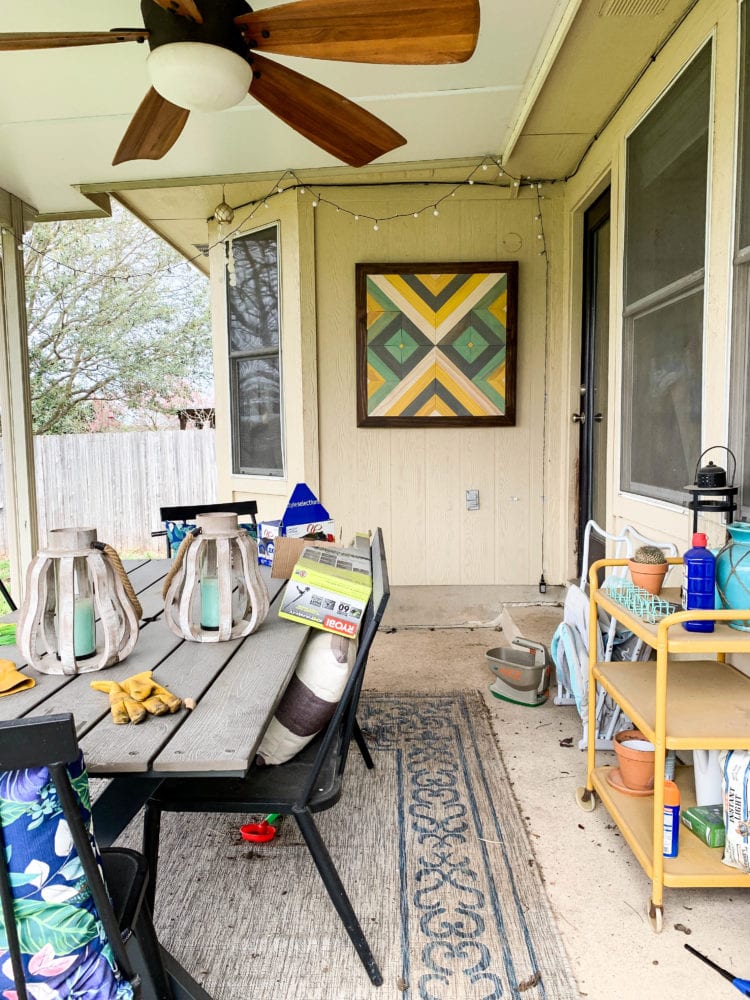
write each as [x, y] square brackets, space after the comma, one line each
[650, 554]
[118, 321]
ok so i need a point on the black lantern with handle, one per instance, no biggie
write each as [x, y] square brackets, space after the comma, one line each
[710, 493]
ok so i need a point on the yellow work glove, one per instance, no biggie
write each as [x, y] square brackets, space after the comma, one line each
[123, 707]
[12, 680]
[154, 698]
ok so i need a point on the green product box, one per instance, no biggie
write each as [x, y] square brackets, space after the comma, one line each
[707, 823]
[329, 589]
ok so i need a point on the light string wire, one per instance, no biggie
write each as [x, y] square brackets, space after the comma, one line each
[539, 219]
[287, 181]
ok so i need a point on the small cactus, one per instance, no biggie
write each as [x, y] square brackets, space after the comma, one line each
[650, 554]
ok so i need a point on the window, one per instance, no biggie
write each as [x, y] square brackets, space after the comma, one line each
[254, 355]
[740, 397]
[665, 238]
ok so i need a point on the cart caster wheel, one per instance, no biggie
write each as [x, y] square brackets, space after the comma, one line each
[586, 799]
[656, 917]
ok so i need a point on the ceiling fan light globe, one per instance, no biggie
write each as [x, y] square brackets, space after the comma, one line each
[198, 76]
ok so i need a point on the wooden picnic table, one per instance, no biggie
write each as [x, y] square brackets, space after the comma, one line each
[236, 685]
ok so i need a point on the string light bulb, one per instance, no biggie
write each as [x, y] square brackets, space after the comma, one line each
[223, 213]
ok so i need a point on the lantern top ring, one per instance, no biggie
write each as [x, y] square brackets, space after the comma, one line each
[221, 524]
[70, 541]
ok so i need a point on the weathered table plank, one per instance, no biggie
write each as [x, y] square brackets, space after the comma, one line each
[89, 706]
[187, 672]
[224, 731]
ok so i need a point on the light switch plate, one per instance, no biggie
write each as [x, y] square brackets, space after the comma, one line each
[472, 499]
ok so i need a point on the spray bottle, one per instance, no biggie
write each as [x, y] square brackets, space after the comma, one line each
[698, 590]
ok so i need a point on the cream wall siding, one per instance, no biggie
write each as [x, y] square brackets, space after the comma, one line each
[412, 482]
[718, 20]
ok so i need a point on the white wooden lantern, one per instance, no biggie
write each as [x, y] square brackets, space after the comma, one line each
[69, 586]
[216, 591]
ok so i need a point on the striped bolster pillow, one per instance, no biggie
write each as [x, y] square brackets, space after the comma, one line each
[310, 699]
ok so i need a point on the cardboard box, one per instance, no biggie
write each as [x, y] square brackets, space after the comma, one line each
[287, 553]
[329, 589]
[268, 532]
[305, 515]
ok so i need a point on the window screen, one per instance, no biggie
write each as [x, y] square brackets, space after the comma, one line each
[254, 355]
[665, 235]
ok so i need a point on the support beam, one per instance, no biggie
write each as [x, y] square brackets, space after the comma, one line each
[15, 397]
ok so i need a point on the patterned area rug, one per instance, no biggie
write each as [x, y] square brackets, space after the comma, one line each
[434, 855]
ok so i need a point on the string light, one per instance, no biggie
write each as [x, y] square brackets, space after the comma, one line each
[243, 215]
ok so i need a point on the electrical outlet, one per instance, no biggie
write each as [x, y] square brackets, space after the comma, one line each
[472, 499]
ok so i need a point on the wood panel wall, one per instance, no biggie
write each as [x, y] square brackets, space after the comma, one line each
[413, 482]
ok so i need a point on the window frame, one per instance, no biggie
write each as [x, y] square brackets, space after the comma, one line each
[692, 283]
[739, 392]
[234, 357]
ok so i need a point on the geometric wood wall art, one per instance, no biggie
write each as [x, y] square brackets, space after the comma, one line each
[436, 344]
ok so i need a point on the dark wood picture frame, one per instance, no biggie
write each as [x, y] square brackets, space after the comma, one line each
[436, 344]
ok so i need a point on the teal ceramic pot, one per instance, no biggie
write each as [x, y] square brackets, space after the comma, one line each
[733, 571]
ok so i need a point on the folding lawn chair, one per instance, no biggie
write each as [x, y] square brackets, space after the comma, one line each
[570, 644]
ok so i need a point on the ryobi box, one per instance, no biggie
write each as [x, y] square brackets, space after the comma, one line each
[329, 589]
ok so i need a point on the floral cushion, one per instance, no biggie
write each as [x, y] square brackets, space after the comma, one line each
[65, 953]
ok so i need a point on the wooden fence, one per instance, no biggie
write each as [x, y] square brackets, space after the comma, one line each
[117, 482]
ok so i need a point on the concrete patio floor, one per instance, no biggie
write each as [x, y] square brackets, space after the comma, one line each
[435, 638]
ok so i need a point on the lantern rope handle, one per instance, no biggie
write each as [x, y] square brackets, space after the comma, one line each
[179, 558]
[114, 558]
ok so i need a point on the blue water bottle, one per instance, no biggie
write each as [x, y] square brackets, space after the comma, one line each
[698, 589]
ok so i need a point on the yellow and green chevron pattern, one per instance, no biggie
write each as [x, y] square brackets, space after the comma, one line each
[436, 345]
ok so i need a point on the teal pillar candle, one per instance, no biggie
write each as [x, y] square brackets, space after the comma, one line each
[84, 633]
[210, 602]
[733, 571]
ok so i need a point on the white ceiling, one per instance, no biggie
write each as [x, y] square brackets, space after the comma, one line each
[63, 112]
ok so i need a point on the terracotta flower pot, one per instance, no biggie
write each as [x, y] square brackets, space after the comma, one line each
[636, 764]
[650, 576]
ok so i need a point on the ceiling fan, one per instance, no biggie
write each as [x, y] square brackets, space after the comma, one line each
[206, 55]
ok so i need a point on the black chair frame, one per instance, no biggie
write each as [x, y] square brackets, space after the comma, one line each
[310, 782]
[51, 741]
[188, 512]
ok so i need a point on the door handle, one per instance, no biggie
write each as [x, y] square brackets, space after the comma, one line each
[579, 418]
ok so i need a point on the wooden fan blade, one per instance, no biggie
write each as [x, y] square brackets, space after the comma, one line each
[12, 42]
[331, 121]
[153, 130]
[418, 32]
[184, 8]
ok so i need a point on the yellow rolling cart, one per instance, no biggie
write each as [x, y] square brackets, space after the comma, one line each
[700, 702]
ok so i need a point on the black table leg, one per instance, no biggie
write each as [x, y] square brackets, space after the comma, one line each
[120, 801]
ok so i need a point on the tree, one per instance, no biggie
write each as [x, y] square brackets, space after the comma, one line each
[118, 323]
